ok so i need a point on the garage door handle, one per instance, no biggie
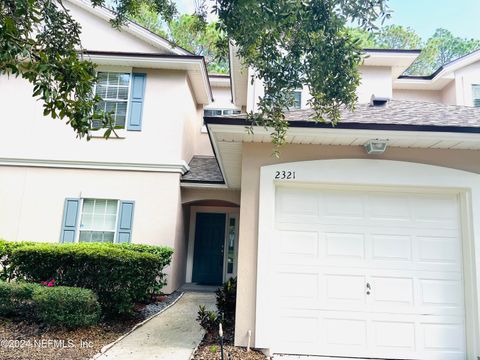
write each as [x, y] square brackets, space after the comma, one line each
[369, 288]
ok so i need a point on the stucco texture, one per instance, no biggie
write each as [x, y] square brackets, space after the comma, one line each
[32, 202]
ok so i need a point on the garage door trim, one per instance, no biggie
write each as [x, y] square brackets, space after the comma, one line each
[370, 174]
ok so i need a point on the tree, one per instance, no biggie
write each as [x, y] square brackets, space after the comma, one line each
[206, 39]
[287, 43]
[397, 37]
[439, 50]
[388, 37]
[192, 33]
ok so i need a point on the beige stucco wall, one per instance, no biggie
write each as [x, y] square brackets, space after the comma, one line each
[32, 202]
[449, 94]
[190, 195]
[464, 79]
[418, 95]
[256, 155]
[375, 80]
[168, 106]
[98, 34]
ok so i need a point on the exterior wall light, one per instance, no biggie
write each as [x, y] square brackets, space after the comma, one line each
[376, 146]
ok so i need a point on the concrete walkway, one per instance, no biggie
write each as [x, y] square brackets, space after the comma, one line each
[172, 335]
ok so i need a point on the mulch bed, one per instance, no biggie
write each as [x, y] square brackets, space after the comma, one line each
[27, 341]
[209, 349]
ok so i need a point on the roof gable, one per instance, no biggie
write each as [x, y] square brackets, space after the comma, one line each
[98, 34]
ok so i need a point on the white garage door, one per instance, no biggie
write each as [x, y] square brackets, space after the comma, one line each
[367, 274]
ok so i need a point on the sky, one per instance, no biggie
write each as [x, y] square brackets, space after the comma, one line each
[461, 17]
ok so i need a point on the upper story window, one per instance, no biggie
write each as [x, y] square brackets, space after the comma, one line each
[113, 88]
[476, 95]
[98, 220]
[297, 95]
[220, 112]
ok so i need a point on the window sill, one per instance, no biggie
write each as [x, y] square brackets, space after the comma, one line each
[98, 134]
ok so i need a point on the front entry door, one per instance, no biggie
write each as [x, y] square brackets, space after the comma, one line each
[208, 249]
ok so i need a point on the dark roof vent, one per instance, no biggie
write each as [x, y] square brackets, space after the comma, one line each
[379, 101]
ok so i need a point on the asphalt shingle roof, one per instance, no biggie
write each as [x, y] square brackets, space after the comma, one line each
[203, 169]
[404, 112]
[399, 112]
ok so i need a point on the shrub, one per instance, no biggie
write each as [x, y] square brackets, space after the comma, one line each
[15, 299]
[60, 306]
[207, 319]
[227, 301]
[6, 248]
[120, 275]
[66, 306]
[226, 296]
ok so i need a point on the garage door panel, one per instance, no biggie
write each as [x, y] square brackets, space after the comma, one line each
[345, 244]
[392, 291]
[366, 274]
[394, 335]
[392, 247]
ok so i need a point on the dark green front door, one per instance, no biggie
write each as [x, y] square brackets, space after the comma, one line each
[208, 249]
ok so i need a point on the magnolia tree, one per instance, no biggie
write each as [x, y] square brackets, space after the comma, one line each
[289, 43]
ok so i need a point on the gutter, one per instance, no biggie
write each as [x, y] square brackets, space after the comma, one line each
[350, 125]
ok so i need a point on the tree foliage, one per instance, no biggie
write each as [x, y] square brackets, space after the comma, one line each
[295, 43]
[441, 48]
[207, 39]
[287, 43]
[191, 32]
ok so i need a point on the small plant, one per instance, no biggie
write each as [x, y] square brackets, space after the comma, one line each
[208, 319]
[213, 349]
[226, 303]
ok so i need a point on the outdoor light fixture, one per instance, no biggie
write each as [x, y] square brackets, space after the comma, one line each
[376, 146]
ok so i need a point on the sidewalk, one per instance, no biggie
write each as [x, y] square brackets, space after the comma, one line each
[172, 335]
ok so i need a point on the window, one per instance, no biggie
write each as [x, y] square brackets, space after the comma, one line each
[220, 112]
[98, 220]
[113, 88]
[231, 240]
[297, 95]
[476, 95]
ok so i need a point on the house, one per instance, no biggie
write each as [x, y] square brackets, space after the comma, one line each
[360, 241]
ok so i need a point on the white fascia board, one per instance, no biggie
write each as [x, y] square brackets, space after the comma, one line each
[218, 155]
[132, 28]
[192, 185]
[180, 167]
[338, 133]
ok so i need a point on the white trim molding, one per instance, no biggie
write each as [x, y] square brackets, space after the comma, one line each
[180, 167]
[373, 175]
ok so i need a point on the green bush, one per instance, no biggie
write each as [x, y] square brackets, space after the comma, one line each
[227, 301]
[66, 306]
[15, 299]
[6, 248]
[59, 306]
[120, 275]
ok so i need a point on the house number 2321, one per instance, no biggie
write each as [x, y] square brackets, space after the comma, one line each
[284, 175]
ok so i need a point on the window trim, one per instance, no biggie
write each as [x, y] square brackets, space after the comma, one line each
[473, 88]
[79, 222]
[204, 127]
[299, 91]
[120, 70]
